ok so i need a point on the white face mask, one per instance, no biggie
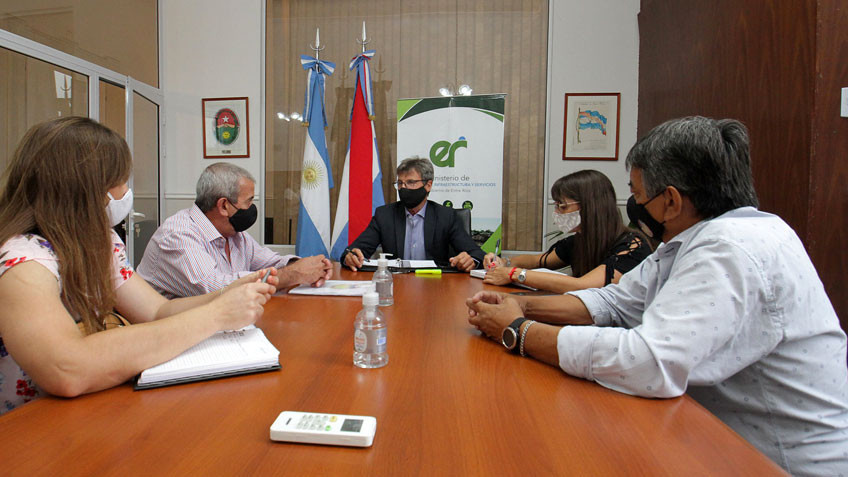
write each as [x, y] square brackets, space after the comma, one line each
[118, 209]
[567, 222]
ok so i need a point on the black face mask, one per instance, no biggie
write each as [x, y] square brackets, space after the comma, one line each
[244, 218]
[410, 198]
[639, 215]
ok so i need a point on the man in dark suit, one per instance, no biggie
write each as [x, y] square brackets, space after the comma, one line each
[415, 228]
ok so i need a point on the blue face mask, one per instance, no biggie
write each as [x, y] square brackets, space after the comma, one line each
[639, 215]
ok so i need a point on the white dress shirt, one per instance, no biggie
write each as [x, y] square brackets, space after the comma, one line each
[186, 256]
[733, 312]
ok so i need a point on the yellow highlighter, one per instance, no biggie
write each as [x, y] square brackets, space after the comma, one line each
[428, 271]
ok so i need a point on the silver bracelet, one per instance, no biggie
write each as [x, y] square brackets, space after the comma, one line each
[523, 334]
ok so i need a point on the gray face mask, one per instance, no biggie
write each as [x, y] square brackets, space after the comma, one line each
[567, 222]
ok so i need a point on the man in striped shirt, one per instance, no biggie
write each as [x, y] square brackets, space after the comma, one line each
[205, 247]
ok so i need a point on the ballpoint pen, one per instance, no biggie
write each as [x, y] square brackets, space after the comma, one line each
[267, 274]
[494, 263]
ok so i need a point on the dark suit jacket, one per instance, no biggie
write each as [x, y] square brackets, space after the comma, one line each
[442, 230]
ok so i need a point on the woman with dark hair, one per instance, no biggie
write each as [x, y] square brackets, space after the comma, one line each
[599, 251]
[63, 271]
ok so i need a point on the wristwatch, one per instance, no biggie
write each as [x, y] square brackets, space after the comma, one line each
[522, 275]
[510, 337]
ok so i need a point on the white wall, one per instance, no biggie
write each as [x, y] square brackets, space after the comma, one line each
[594, 48]
[210, 48]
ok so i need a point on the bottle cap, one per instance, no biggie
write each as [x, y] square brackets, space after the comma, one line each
[370, 299]
[383, 261]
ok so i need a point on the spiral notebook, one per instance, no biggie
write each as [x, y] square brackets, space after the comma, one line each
[226, 353]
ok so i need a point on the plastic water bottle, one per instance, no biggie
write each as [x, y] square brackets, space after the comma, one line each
[369, 334]
[383, 281]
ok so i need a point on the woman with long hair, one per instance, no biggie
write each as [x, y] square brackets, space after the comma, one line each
[600, 250]
[63, 271]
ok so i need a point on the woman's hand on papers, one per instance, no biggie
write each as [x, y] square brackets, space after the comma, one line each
[491, 261]
[497, 276]
[242, 305]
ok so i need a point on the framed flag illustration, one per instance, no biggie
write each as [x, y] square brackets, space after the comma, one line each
[591, 126]
[226, 130]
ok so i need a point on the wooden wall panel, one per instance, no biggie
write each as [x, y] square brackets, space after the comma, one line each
[744, 60]
[777, 66]
[422, 45]
[828, 206]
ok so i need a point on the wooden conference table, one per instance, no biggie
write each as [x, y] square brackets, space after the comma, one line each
[449, 403]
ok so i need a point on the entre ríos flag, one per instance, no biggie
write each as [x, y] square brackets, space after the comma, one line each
[362, 183]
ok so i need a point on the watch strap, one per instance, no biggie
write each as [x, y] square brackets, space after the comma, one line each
[515, 327]
[522, 275]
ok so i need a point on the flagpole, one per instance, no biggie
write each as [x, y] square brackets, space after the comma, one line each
[365, 40]
[317, 47]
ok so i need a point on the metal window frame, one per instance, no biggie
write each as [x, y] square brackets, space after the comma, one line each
[95, 73]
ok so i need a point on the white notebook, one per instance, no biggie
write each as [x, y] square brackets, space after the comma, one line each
[481, 273]
[226, 353]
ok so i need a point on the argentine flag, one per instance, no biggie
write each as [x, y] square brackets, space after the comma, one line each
[362, 183]
[313, 219]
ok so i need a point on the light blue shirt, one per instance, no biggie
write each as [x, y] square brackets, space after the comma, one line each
[413, 242]
[733, 312]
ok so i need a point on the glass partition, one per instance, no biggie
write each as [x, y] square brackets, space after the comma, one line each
[33, 91]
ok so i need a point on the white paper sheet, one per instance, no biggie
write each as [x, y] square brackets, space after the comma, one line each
[336, 288]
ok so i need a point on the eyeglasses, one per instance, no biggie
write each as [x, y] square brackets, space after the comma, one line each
[407, 184]
[561, 207]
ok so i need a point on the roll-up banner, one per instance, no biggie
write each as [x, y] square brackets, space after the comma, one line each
[463, 138]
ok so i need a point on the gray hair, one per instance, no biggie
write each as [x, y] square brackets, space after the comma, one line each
[219, 180]
[705, 159]
[423, 166]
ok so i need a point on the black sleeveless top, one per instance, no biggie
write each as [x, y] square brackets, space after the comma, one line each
[627, 252]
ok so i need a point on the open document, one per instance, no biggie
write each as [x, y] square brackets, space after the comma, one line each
[226, 353]
[398, 263]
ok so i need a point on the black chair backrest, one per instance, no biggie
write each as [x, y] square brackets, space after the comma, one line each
[464, 216]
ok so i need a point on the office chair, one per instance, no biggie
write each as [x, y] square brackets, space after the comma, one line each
[464, 216]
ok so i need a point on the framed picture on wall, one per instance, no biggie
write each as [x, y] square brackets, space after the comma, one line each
[226, 128]
[591, 126]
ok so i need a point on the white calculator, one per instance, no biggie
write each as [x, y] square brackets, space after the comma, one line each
[327, 429]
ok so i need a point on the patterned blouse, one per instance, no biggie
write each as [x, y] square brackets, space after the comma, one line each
[16, 387]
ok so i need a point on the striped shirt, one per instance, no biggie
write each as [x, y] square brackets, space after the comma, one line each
[187, 256]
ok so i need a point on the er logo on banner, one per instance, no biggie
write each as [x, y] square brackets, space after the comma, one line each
[444, 148]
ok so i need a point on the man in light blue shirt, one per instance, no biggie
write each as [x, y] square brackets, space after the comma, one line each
[728, 309]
